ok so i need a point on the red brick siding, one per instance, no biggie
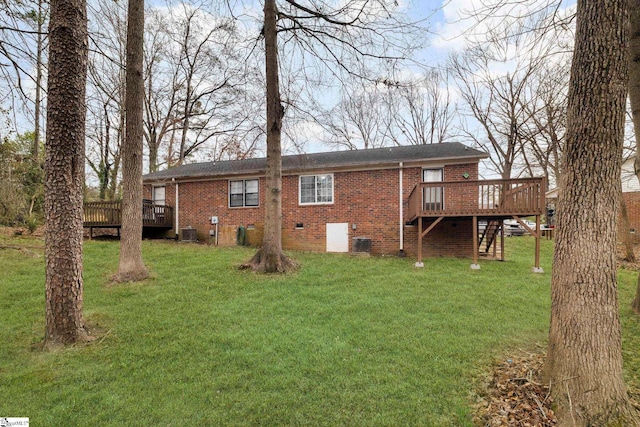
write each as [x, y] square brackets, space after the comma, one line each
[451, 238]
[368, 199]
[632, 199]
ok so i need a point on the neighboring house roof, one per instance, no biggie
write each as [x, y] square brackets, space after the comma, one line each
[354, 159]
[552, 194]
[628, 179]
[628, 176]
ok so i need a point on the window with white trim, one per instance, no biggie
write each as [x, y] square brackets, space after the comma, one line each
[243, 193]
[158, 195]
[316, 189]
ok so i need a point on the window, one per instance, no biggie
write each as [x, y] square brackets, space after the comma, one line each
[243, 193]
[316, 189]
[158, 195]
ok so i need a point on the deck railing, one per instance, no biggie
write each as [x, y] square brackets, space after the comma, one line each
[109, 214]
[524, 196]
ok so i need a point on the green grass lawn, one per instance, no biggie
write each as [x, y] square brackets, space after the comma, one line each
[344, 341]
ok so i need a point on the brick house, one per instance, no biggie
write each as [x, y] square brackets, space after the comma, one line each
[384, 197]
[631, 194]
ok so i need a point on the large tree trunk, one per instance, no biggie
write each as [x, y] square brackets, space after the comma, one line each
[270, 258]
[634, 97]
[64, 171]
[584, 362]
[131, 266]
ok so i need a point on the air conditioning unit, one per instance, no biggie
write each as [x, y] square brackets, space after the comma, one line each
[189, 234]
[361, 245]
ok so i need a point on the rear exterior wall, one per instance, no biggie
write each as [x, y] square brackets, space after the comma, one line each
[367, 200]
[632, 200]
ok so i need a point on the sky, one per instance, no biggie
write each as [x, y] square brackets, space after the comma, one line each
[448, 23]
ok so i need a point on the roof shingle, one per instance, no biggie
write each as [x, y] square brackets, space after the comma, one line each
[315, 161]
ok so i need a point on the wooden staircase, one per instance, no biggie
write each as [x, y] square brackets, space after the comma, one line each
[489, 234]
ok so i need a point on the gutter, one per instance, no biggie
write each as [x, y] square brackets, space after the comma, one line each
[400, 202]
[177, 213]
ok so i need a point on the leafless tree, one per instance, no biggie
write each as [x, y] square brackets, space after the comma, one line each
[319, 33]
[543, 133]
[106, 92]
[161, 81]
[515, 89]
[131, 267]
[512, 79]
[200, 89]
[362, 119]
[496, 104]
[199, 85]
[270, 258]
[425, 110]
[23, 45]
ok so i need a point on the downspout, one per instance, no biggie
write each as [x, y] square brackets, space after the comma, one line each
[177, 213]
[400, 202]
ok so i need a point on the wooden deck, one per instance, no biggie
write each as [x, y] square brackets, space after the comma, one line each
[109, 215]
[490, 201]
[484, 198]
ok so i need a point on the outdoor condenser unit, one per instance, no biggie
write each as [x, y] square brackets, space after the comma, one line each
[361, 245]
[189, 234]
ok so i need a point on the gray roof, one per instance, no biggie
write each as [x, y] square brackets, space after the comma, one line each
[317, 161]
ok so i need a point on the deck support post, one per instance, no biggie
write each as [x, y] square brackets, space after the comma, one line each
[475, 265]
[422, 234]
[495, 244]
[537, 268]
[502, 242]
[419, 263]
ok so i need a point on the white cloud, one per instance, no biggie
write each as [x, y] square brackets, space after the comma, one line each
[470, 20]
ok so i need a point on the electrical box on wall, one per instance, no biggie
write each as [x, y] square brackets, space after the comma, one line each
[214, 220]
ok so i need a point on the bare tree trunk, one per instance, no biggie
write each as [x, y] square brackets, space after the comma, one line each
[104, 169]
[584, 362]
[131, 266]
[635, 305]
[186, 122]
[64, 172]
[270, 258]
[153, 158]
[624, 230]
[634, 98]
[112, 189]
[36, 112]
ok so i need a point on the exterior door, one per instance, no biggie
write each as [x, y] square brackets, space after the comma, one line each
[432, 196]
[338, 237]
[159, 200]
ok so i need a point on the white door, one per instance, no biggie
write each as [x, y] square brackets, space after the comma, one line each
[338, 237]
